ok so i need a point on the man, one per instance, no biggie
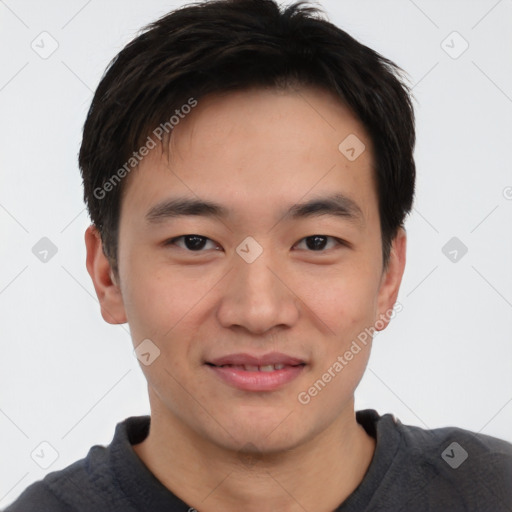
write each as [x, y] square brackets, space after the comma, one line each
[248, 171]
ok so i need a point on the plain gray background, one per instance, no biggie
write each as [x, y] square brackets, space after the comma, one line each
[67, 377]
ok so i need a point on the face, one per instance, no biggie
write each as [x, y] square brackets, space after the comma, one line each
[250, 255]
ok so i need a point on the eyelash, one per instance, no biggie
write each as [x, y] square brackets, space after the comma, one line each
[172, 241]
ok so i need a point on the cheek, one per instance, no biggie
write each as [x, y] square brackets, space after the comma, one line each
[345, 301]
[161, 309]
[151, 302]
[161, 302]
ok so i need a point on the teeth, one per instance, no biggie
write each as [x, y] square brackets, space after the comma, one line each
[254, 368]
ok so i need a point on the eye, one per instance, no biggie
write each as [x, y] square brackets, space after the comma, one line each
[193, 243]
[319, 242]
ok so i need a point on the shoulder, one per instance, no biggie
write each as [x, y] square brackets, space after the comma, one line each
[463, 466]
[454, 445]
[66, 489]
[37, 497]
[88, 484]
[447, 468]
[52, 492]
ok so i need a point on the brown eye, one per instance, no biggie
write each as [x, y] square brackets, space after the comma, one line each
[319, 243]
[193, 243]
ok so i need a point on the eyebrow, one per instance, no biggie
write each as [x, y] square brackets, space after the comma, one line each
[337, 205]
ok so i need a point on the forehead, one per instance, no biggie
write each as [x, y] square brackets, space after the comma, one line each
[283, 120]
[258, 145]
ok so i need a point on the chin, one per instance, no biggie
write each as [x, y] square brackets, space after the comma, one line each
[260, 432]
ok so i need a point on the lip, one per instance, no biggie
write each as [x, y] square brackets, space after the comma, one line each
[256, 380]
[248, 380]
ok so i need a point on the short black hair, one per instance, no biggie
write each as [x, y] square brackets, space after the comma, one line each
[223, 45]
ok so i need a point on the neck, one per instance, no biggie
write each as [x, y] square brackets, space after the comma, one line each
[317, 475]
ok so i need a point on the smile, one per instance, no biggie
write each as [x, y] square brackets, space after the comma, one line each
[254, 368]
[257, 377]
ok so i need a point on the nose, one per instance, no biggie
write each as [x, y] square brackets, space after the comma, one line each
[257, 296]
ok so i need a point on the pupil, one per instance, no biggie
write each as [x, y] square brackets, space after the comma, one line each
[195, 242]
[316, 242]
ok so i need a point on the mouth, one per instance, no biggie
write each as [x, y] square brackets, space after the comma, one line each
[255, 368]
[252, 373]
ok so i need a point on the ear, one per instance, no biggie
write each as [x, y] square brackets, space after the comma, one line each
[102, 275]
[390, 281]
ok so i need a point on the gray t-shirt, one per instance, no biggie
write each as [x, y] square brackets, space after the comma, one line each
[413, 469]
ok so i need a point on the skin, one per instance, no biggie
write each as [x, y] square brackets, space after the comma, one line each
[255, 152]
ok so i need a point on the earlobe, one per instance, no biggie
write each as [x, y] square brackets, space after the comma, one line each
[391, 279]
[103, 278]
